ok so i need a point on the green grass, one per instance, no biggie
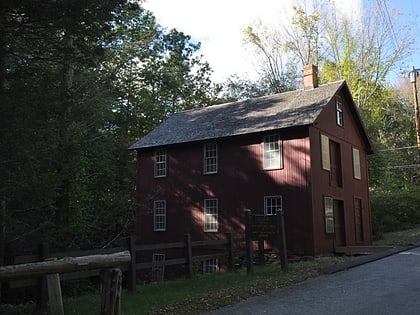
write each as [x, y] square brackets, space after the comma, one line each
[211, 291]
[204, 292]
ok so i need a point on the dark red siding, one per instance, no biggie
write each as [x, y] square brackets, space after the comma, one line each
[241, 183]
[346, 137]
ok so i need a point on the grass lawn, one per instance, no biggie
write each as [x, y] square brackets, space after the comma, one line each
[204, 292]
[211, 291]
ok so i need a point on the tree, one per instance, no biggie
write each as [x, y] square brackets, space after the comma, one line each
[80, 82]
[239, 88]
[363, 51]
[303, 38]
[52, 103]
[273, 69]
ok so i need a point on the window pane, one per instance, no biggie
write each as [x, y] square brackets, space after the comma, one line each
[339, 110]
[211, 265]
[272, 204]
[160, 163]
[272, 154]
[210, 158]
[329, 215]
[211, 215]
[160, 215]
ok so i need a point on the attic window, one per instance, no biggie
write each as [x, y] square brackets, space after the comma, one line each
[160, 163]
[272, 152]
[339, 111]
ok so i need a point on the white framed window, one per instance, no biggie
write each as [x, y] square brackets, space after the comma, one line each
[356, 164]
[339, 111]
[272, 152]
[325, 152]
[211, 265]
[272, 204]
[211, 213]
[329, 214]
[159, 213]
[160, 163]
[210, 158]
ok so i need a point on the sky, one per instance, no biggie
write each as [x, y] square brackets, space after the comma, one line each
[218, 25]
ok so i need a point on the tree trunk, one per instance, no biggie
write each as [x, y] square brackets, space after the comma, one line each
[2, 233]
[63, 171]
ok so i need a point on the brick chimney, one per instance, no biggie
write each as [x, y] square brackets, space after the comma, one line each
[310, 77]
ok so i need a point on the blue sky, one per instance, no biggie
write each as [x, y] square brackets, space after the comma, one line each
[409, 11]
[218, 25]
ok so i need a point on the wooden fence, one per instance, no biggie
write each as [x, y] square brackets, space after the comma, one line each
[134, 269]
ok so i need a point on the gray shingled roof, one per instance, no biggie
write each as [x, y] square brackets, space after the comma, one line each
[296, 108]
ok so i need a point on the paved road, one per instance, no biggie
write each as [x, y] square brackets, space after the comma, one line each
[387, 286]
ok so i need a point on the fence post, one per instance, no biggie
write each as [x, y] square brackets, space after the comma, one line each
[132, 276]
[54, 293]
[111, 291]
[2, 234]
[44, 252]
[188, 256]
[248, 242]
[230, 251]
[282, 234]
[261, 258]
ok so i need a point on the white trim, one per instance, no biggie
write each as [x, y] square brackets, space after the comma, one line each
[210, 158]
[211, 215]
[272, 152]
[329, 214]
[159, 211]
[273, 207]
[160, 163]
[339, 111]
[211, 265]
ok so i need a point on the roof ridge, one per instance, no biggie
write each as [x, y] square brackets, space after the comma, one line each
[252, 115]
[257, 97]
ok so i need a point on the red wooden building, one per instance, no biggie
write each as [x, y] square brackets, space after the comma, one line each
[303, 151]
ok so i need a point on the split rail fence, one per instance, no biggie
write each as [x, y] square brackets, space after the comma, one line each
[225, 250]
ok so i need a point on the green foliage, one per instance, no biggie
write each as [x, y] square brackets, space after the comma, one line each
[80, 81]
[395, 210]
[304, 36]
[275, 75]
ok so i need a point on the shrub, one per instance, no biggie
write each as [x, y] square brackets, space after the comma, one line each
[395, 210]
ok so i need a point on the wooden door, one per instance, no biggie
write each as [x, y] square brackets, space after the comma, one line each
[358, 220]
[339, 223]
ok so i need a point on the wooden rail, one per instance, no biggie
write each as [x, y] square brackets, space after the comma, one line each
[63, 265]
[111, 277]
[134, 267]
[23, 277]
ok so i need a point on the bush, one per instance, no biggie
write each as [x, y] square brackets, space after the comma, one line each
[395, 210]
